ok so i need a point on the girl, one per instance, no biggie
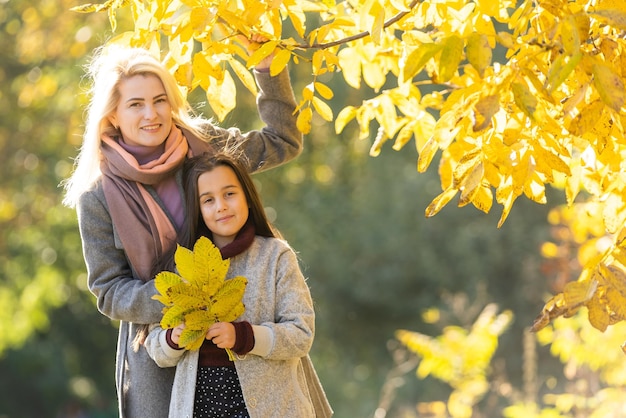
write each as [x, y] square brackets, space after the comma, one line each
[272, 374]
[127, 189]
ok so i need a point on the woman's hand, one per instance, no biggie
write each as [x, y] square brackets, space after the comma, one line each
[251, 45]
[222, 334]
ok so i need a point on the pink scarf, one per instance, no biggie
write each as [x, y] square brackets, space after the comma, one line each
[144, 229]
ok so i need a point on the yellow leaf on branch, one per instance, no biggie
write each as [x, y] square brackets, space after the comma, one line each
[478, 52]
[280, 61]
[221, 95]
[484, 110]
[524, 99]
[598, 314]
[451, 55]
[304, 120]
[610, 86]
[579, 292]
[323, 109]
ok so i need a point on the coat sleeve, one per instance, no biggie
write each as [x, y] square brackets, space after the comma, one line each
[119, 294]
[279, 140]
[291, 333]
[159, 350]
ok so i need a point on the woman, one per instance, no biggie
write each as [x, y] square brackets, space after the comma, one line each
[271, 374]
[127, 190]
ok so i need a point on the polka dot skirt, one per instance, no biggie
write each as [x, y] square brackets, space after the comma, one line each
[218, 394]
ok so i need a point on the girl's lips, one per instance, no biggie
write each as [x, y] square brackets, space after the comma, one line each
[224, 218]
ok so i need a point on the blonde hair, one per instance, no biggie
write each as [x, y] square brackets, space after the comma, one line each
[109, 67]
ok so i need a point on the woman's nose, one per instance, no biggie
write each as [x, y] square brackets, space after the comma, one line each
[149, 112]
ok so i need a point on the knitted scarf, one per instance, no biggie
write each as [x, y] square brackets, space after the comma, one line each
[143, 227]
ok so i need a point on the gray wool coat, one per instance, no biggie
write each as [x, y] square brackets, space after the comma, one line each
[277, 377]
[144, 388]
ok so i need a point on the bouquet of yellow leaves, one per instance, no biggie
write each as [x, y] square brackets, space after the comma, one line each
[199, 296]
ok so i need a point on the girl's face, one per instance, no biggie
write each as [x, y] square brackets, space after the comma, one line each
[223, 204]
[143, 114]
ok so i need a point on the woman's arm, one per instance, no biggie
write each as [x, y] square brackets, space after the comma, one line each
[120, 296]
[280, 140]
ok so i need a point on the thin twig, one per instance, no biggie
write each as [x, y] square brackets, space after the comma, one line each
[361, 35]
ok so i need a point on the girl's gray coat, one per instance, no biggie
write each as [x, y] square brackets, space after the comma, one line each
[144, 388]
[277, 377]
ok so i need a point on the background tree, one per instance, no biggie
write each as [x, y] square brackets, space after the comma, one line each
[53, 341]
[550, 112]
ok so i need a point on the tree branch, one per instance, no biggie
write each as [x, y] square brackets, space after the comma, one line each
[361, 35]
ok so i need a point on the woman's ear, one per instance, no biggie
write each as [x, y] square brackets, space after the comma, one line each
[113, 121]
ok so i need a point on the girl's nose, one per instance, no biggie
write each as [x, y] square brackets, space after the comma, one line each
[221, 205]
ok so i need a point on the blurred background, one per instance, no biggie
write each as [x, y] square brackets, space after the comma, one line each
[374, 263]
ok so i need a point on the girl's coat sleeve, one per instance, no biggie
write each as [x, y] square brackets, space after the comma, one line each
[278, 301]
[159, 350]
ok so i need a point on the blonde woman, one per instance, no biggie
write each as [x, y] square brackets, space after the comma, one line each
[127, 190]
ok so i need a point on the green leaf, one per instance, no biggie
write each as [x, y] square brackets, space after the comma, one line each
[524, 99]
[560, 69]
[478, 52]
[192, 339]
[451, 55]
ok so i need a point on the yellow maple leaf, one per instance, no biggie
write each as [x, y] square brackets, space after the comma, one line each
[199, 295]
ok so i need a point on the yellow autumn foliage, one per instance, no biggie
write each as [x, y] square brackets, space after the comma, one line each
[199, 295]
[506, 97]
[460, 358]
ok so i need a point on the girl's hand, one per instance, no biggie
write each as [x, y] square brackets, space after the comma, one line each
[222, 334]
[176, 333]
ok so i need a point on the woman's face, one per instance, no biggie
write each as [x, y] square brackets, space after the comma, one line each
[144, 113]
[223, 204]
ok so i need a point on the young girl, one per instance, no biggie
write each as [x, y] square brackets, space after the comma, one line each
[272, 374]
